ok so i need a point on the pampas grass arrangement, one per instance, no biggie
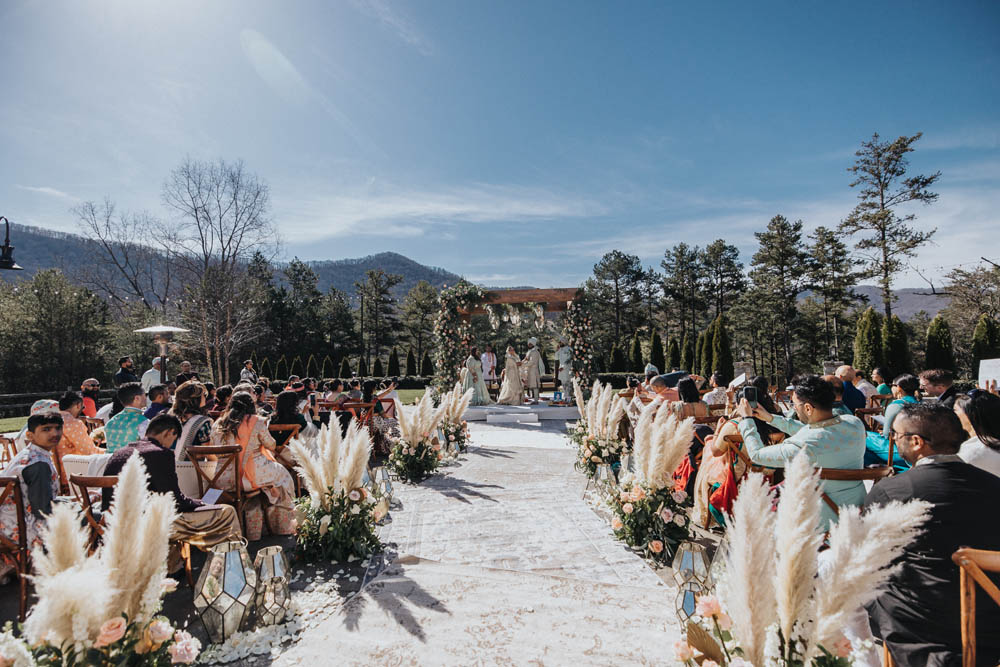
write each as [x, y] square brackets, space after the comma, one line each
[596, 435]
[454, 429]
[99, 609]
[418, 453]
[777, 582]
[337, 520]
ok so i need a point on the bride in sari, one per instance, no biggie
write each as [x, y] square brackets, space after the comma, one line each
[474, 380]
[512, 391]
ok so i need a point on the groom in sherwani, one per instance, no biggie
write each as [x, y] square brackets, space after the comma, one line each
[534, 367]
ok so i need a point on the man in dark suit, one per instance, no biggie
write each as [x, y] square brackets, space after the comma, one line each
[939, 382]
[918, 612]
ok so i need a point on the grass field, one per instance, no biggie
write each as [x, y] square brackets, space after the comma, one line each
[406, 396]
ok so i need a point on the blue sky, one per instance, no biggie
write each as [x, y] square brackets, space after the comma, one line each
[512, 142]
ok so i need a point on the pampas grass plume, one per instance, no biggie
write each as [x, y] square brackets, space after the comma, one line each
[311, 471]
[357, 450]
[66, 540]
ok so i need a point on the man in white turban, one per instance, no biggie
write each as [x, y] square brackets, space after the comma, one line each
[564, 365]
[533, 368]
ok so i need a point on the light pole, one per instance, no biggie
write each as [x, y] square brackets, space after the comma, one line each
[7, 262]
[162, 335]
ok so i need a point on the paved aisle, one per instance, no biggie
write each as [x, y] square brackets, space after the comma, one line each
[500, 562]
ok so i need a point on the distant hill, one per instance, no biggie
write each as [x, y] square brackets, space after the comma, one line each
[909, 301]
[343, 273]
[36, 249]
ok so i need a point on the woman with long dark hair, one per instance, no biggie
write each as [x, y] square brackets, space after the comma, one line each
[240, 425]
[690, 403]
[979, 412]
[189, 407]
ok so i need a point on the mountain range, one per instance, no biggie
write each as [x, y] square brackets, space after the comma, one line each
[37, 249]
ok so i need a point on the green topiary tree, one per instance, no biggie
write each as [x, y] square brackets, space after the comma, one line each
[426, 366]
[706, 351]
[673, 355]
[393, 363]
[328, 367]
[362, 367]
[377, 370]
[618, 363]
[295, 368]
[312, 367]
[698, 349]
[687, 353]
[265, 368]
[939, 349]
[868, 341]
[985, 341]
[345, 368]
[656, 351]
[411, 362]
[895, 346]
[635, 356]
[281, 369]
[722, 351]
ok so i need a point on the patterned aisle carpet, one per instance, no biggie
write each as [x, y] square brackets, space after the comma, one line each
[500, 561]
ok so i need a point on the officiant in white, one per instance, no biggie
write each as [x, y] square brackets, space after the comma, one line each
[533, 367]
[511, 391]
[474, 380]
[489, 360]
[564, 362]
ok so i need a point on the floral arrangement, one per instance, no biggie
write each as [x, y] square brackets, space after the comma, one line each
[337, 520]
[455, 429]
[596, 434]
[647, 512]
[452, 332]
[774, 608]
[101, 608]
[417, 454]
[578, 327]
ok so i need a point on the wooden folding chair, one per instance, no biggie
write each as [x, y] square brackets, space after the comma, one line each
[363, 412]
[9, 449]
[293, 432]
[783, 399]
[17, 551]
[879, 400]
[226, 456]
[971, 565]
[854, 475]
[866, 416]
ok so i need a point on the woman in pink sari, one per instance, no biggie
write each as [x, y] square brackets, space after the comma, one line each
[240, 425]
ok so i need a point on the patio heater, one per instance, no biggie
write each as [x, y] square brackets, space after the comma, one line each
[162, 335]
[7, 262]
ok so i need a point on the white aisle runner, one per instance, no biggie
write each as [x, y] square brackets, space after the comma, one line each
[501, 562]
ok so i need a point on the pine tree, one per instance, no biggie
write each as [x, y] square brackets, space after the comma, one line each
[635, 360]
[706, 350]
[426, 366]
[362, 367]
[411, 363]
[312, 368]
[895, 346]
[265, 368]
[674, 355]
[377, 370]
[722, 351]
[939, 349]
[295, 368]
[618, 363]
[656, 352]
[985, 341]
[393, 363]
[868, 341]
[345, 368]
[698, 349]
[328, 367]
[687, 354]
[281, 369]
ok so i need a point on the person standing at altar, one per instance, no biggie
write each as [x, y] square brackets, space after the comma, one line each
[489, 360]
[511, 391]
[533, 367]
[564, 368]
[474, 380]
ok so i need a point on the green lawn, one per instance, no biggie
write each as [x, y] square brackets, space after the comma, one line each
[406, 396]
[8, 424]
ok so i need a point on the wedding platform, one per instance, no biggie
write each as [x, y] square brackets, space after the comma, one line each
[523, 414]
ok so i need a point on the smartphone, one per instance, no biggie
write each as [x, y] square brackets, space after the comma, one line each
[750, 393]
[312, 400]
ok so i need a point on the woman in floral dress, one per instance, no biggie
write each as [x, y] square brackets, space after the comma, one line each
[240, 425]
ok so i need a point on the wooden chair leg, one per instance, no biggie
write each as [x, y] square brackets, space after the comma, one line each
[886, 656]
[22, 609]
[186, 556]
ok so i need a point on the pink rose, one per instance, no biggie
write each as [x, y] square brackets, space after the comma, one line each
[708, 606]
[682, 651]
[725, 623]
[354, 495]
[112, 630]
[625, 496]
[185, 648]
[451, 438]
[666, 514]
[679, 496]
[842, 647]
[627, 508]
[616, 523]
[656, 546]
[679, 520]
[160, 631]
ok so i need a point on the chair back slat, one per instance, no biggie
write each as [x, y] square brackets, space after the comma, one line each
[363, 412]
[226, 456]
[971, 563]
[9, 450]
[17, 550]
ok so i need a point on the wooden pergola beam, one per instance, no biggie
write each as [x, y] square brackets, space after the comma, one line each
[554, 300]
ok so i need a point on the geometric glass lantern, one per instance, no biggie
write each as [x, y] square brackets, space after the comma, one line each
[382, 482]
[718, 569]
[225, 590]
[687, 600]
[691, 563]
[273, 597]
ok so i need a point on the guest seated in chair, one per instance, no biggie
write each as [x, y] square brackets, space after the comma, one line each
[198, 524]
[831, 441]
[34, 468]
[190, 406]
[918, 612]
[718, 395]
[979, 412]
[904, 389]
[838, 395]
[75, 438]
[286, 411]
[690, 403]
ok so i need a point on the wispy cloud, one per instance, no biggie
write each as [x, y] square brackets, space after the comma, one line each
[411, 212]
[970, 137]
[47, 191]
[404, 28]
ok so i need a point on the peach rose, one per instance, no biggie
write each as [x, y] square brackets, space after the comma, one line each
[627, 508]
[725, 623]
[656, 546]
[160, 631]
[616, 523]
[666, 514]
[112, 630]
[708, 606]
[185, 648]
[595, 459]
[625, 496]
[842, 647]
[354, 496]
[682, 651]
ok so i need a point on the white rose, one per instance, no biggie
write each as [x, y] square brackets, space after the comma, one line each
[679, 519]
[324, 524]
[355, 509]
